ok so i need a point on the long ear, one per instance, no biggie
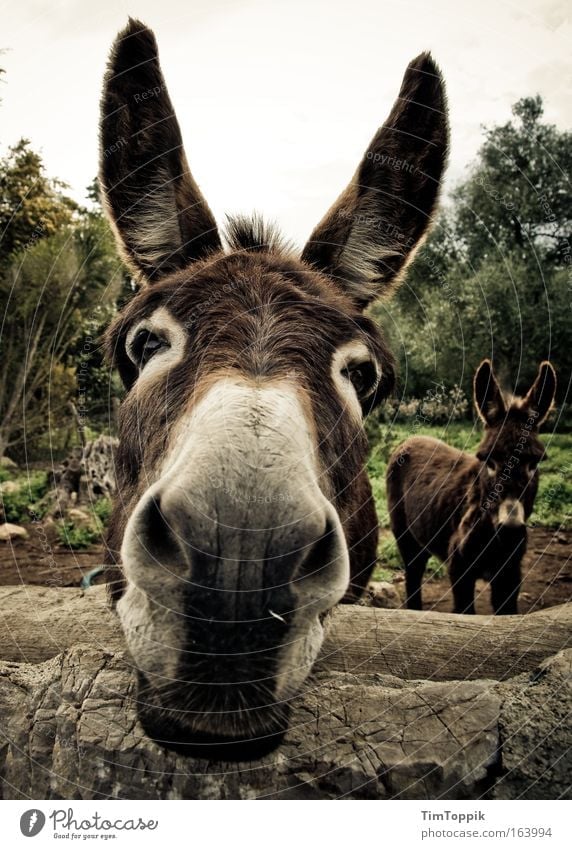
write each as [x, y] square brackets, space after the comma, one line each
[541, 394]
[489, 401]
[161, 219]
[372, 231]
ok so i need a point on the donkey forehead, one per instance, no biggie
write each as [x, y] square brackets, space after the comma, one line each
[516, 432]
[240, 300]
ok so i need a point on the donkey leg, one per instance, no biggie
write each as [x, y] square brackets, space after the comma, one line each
[415, 560]
[463, 580]
[505, 587]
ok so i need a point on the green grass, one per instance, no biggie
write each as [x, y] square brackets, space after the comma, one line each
[553, 506]
[5, 474]
[17, 505]
[102, 510]
[77, 538]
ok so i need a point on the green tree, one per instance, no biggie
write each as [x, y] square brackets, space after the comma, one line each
[59, 279]
[493, 278]
[517, 197]
[32, 206]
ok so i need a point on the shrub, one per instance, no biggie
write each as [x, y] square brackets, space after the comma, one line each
[19, 504]
[438, 406]
[102, 510]
[435, 568]
[4, 474]
[77, 538]
[388, 553]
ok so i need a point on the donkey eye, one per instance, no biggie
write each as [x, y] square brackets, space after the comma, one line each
[144, 346]
[363, 378]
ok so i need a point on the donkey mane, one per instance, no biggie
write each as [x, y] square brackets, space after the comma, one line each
[253, 234]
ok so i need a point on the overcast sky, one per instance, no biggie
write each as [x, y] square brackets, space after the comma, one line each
[278, 99]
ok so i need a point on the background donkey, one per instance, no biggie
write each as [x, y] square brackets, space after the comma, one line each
[471, 510]
[244, 511]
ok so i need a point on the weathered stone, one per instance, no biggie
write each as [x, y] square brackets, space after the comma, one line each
[79, 518]
[535, 730]
[70, 730]
[10, 487]
[382, 594]
[9, 531]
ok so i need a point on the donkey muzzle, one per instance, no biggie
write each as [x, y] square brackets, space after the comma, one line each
[232, 559]
[511, 514]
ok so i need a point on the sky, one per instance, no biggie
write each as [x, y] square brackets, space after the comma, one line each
[278, 99]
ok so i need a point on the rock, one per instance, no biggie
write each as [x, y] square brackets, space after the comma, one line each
[534, 732]
[79, 518]
[382, 594]
[9, 531]
[70, 730]
[7, 463]
[51, 531]
[10, 487]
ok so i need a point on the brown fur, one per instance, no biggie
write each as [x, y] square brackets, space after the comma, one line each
[256, 309]
[264, 326]
[444, 502]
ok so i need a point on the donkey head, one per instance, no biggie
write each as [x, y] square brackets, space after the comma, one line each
[510, 449]
[245, 513]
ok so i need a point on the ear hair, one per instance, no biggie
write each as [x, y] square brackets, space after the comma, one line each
[488, 398]
[540, 396]
[159, 215]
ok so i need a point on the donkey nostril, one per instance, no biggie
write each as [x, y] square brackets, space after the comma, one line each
[321, 555]
[157, 535]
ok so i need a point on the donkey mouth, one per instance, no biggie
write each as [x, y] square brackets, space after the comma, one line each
[235, 732]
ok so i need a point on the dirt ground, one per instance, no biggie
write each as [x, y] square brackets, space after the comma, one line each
[547, 570]
[547, 577]
[33, 561]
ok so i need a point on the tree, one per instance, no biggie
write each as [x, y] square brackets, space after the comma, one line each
[59, 279]
[32, 206]
[492, 278]
[517, 197]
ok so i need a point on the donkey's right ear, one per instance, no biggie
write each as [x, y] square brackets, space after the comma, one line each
[160, 217]
[489, 401]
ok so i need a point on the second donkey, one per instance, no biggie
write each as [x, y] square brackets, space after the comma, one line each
[471, 510]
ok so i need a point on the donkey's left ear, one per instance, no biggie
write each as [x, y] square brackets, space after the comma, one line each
[541, 394]
[371, 233]
[161, 220]
[487, 395]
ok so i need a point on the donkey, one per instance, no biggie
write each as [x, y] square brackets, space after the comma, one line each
[468, 510]
[244, 512]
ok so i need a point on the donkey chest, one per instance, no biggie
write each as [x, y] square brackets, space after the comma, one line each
[488, 551]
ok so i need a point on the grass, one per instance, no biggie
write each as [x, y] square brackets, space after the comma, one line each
[102, 510]
[17, 505]
[77, 537]
[553, 506]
